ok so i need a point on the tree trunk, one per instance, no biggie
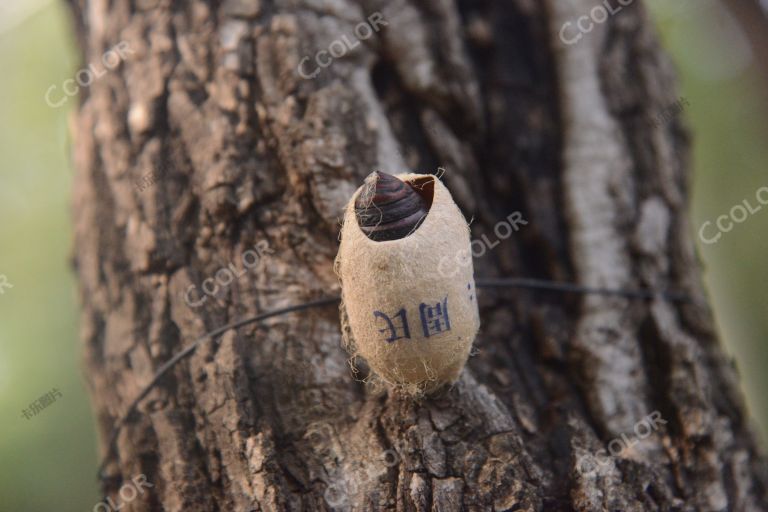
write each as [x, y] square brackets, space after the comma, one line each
[206, 142]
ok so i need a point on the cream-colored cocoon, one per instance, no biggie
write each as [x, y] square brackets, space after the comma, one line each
[409, 306]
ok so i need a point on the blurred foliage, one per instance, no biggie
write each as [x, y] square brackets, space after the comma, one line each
[49, 461]
[728, 115]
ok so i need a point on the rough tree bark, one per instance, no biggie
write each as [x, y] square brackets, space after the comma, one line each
[245, 150]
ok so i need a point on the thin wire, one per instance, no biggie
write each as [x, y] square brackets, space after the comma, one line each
[506, 282]
[188, 350]
[540, 284]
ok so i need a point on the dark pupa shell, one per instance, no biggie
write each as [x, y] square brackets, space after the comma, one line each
[389, 208]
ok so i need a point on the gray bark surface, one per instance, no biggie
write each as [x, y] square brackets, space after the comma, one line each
[246, 151]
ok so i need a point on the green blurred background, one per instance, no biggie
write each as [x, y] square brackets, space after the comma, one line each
[48, 462]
